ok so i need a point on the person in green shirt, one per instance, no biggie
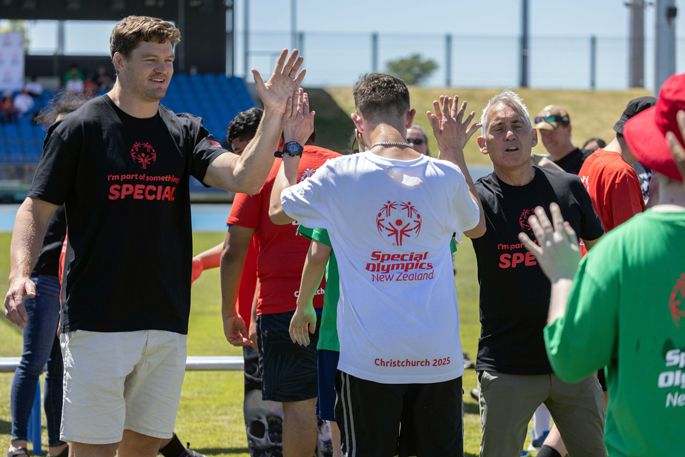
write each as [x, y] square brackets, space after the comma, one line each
[623, 306]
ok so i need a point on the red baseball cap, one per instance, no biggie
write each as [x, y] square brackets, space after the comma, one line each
[645, 132]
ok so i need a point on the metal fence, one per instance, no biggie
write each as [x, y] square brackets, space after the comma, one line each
[337, 59]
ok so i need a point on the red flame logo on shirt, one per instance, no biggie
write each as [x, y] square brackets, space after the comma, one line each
[676, 302]
[398, 220]
[523, 221]
[143, 154]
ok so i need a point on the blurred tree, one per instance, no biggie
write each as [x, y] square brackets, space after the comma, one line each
[412, 69]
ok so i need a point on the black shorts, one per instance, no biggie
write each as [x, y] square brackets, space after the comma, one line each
[289, 369]
[369, 415]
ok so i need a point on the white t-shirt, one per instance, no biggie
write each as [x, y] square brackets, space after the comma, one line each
[390, 224]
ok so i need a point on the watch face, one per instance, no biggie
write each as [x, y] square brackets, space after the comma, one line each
[292, 148]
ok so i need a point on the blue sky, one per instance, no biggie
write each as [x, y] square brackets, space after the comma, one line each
[484, 32]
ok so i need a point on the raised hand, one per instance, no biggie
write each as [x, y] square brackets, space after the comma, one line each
[302, 324]
[298, 122]
[451, 130]
[557, 250]
[677, 150]
[20, 289]
[283, 83]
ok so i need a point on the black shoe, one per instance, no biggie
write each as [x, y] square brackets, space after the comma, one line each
[190, 453]
[468, 363]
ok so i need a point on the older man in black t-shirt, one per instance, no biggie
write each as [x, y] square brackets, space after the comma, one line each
[121, 164]
[513, 370]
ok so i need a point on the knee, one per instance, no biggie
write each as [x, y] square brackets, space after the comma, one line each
[92, 450]
[30, 366]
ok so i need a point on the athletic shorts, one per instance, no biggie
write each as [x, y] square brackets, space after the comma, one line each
[289, 369]
[121, 380]
[369, 416]
[327, 376]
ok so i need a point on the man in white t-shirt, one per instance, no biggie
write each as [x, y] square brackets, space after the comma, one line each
[390, 213]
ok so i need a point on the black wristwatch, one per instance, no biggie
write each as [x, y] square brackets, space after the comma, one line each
[291, 148]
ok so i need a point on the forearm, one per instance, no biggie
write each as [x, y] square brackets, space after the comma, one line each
[561, 288]
[211, 258]
[230, 272]
[312, 273]
[287, 176]
[28, 233]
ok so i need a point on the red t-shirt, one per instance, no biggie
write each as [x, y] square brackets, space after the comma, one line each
[248, 282]
[613, 187]
[282, 250]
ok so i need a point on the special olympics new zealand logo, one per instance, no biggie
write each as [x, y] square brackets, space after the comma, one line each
[676, 301]
[143, 154]
[398, 221]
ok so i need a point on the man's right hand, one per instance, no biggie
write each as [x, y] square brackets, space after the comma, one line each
[20, 289]
[283, 83]
[302, 324]
[235, 331]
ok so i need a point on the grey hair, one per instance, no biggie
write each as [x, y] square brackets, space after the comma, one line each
[508, 98]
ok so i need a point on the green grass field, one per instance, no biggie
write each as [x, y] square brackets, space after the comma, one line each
[210, 415]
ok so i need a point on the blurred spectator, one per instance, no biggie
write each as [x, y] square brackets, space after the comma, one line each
[74, 84]
[594, 143]
[416, 136]
[554, 125]
[23, 103]
[103, 79]
[7, 113]
[90, 88]
[72, 73]
[33, 87]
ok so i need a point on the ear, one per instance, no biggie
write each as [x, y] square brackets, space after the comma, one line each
[118, 60]
[410, 118]
[534, 140]
[358, 122]
[482, 145]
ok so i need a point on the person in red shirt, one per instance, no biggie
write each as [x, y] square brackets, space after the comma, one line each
[608, 177]
[289, 370]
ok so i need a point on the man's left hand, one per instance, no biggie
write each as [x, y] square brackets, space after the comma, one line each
[298, 122]
[451, 130]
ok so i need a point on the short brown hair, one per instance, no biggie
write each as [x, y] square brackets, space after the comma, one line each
[131, 30]
[379, 94]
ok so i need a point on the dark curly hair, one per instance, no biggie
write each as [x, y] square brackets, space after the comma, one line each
[62, 103]
[244, 125]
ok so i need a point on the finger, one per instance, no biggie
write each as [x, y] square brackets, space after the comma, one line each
[296, 66]
[543, 219]
[557, 218]
[278, 69]
[570, 233]
[300, 101]
[453, 111]
[434, 121]
[538, 231]
[290, 63]
[30, 288]
[446, 103]
[23, 315]
[462, 110]
[289, 107]
[300, 77]
[305, 103]
[437, 110]
[531, 245]
[473, 129]
[258, 81]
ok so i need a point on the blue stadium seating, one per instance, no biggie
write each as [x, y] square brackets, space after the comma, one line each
[214, 97]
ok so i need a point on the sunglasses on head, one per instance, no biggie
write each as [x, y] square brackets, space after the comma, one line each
[415, 141]
[551, 118]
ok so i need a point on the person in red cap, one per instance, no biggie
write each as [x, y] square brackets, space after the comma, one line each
[623, 306]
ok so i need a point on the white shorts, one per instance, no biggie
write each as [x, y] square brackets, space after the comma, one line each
[121, 380]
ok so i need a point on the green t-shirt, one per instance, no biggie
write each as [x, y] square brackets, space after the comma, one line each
[626, 312]
[328, 332]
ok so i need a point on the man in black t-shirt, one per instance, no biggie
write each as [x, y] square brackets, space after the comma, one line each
[513, 370]
[554, 125]
[120, 164]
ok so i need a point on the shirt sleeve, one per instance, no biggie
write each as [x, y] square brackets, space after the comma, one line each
[625, 197]
[584, 339]
[308, 201]
[465, 212]
[56, 171]
[590, 225]
[245, 210]
[205, 150]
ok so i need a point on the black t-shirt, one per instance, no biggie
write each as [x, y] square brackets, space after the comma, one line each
[48, 259]
[124, 183]
[514, 292]
[572, 161]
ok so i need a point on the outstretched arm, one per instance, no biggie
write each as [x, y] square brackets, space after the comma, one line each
[30, 225]
[298, 127]
[206, 260]
[248, 171]
[452, 132]
[303, 321]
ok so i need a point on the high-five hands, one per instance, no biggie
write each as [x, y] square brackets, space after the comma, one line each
[283, 83]
[451, 130]
[298, 121]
